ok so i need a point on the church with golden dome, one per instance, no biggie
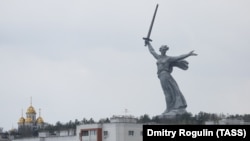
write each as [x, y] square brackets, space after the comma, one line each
[31, 120]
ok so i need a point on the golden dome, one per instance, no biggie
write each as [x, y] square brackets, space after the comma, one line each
[31, 110]
[39, 120]
[21, 120]
[28, 120]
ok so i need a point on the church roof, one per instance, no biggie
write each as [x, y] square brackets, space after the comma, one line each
[28, 120]
[31, 110]
[21, 120]
[39, 120]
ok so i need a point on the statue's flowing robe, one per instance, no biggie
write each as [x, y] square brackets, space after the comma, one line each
[174, 98]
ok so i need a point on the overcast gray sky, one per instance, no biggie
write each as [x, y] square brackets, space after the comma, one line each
[80, 58]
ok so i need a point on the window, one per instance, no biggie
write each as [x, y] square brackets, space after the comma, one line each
[93, 132]
[131, 133]
[85, 133]
[105, 133]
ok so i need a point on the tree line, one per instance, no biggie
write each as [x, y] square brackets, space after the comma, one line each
[71, 124]
[189, 118]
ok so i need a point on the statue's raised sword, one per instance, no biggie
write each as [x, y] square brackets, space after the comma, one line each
[147, 39]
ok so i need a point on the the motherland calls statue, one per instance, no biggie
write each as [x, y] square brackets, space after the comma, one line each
[175, 101]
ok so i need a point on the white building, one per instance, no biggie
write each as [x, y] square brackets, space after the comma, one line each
[121, 128]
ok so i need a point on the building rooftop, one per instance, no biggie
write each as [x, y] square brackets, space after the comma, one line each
[123, 119]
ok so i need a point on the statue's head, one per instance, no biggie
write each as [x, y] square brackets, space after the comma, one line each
[163, 49]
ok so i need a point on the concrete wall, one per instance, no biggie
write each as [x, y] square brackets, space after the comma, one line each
[27, 139]
[67, 138]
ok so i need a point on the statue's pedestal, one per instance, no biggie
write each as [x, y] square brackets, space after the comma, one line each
[172, 114]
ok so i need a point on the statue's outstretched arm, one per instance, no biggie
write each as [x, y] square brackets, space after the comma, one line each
[152, 51]
[181, 57]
